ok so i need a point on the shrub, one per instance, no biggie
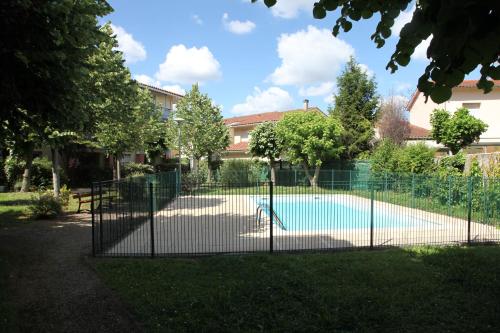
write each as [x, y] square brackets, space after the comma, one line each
[44, 205]
[416, 158]
[451, 165]
[385, 157]
[13, 169]
[240, 172]
[130, 168]
[41, 173]
[64, 195]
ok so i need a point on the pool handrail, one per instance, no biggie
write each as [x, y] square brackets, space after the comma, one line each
[259, 211]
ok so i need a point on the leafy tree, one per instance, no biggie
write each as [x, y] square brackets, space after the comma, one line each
[356, 105]
[264, 142]
[309, 138]
[125, 114]
[45, 47]
[463, 35]
[203, 131]
[456, 131]
[392, 123]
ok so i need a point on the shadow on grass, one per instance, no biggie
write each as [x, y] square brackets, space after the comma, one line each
[412, 290]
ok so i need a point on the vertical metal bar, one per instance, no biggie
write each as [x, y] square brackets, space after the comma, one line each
[151, 219]
[100, 218]
[93, 217]
[372, 198]
[412, 190]
[271, 216]
[469, 207]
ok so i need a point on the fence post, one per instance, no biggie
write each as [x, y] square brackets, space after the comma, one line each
[271, 210]
[372, 198]
[449, 195]
[151, 219]
[93, 217]
[333, 177]
[469, 207]
[295, 179]
[413, 190]
[350, 180]
[100, 218]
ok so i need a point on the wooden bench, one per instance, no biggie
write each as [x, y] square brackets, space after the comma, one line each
[84, 198]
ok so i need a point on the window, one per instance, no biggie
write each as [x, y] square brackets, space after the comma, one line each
[471, 106]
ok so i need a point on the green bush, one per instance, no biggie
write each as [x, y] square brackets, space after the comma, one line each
[64, 195]
[384, 157]
[451, 165]
[135, 168]
[239, 171]
[41, 172]
[44, 205]
[416, 158]
[13, 169]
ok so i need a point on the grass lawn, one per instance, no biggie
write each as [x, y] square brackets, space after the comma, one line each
[14, 207]
[431, 289]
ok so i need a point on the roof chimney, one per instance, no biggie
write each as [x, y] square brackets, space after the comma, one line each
[306, 104]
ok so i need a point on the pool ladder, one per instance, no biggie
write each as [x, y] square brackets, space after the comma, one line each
[260, 209]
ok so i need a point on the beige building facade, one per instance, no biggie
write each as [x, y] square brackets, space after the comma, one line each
[483, 106]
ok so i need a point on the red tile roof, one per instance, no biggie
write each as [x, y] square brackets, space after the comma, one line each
[464, 84]
[262, 117]
[417, 132]
[241, 146]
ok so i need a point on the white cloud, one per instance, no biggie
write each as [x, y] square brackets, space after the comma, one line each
[237, 27]
[309, 56]
[133, 51]
[183, 65]
[291, 8]
[329, 99]
[271, 99]
[197, 19]
[319, 90]
[177, 89]
[143, 78]
[367, 70]
[420, 52]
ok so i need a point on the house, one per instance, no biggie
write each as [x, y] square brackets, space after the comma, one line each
[163, 98]
[483, 106]
[240, 128]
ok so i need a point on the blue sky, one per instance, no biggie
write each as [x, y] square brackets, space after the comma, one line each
[247, 57]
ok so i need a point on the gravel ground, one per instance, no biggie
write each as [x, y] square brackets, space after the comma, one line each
[52, 285]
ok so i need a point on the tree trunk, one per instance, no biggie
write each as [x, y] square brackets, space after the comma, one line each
[209, 163]
[272, 164]
[316, 176]
[118, 169]
[28, 158]
[56, 179]
[194, 162]
[313, 179]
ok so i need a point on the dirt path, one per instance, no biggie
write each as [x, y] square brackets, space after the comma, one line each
[53, 287]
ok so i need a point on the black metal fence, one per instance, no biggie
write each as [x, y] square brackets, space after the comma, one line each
[151, 216]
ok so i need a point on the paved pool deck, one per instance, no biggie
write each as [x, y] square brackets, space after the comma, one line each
[211, 224]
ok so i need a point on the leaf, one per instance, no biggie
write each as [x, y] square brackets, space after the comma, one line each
[440, 94]
[319, 12]
[270, 3]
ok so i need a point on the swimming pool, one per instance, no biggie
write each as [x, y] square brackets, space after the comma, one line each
[330, 212]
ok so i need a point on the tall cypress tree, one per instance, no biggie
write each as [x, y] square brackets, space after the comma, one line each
[356, 105]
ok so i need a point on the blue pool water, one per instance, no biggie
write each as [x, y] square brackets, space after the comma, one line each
[309, 213]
